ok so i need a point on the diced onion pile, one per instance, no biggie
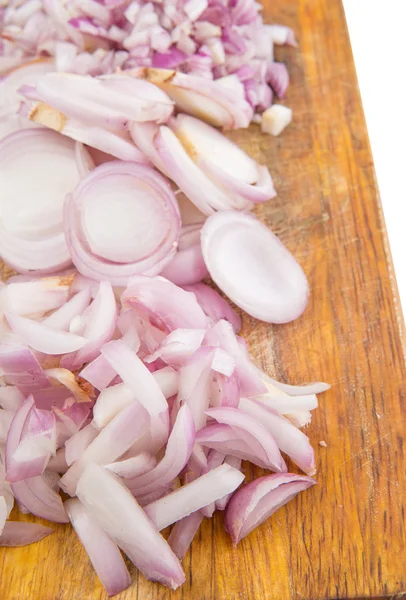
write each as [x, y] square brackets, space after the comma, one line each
[124, 381]
[208, 39]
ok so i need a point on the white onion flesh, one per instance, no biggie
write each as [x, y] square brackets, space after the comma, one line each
[254, 269]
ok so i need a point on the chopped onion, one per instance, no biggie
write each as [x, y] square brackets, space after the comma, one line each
[289, 439]
[177, 453]
[103, 552]
[259, 499]
[183, 533]
[134, 466]
[118, 513]
[193, 496]
[265, 280]
[16, 533]
[111, 443]
[187, 266]
[43, 338]
[214, 305]
[168, 306]
[108, 101]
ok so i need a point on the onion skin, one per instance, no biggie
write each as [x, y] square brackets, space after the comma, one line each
[259, 499]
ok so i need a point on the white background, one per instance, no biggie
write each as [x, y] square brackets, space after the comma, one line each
[377, 30]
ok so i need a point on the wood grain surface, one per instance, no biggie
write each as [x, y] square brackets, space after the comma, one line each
[344, 538]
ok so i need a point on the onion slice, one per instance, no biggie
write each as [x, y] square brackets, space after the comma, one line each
[177, 453]
[108, 101]
[137, 233]
[215, 307]
[183, 533]
[251, 266]
[193, 496]
[135, 374]
[118, 513]
[202, 97]
[289, 439]
[168, 306]
[43, 338]
[17, 533]
[102, 551]
[187, 266]
[259, 499]
[111, 443]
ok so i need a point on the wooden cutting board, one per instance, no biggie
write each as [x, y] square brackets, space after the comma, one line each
[344, 538]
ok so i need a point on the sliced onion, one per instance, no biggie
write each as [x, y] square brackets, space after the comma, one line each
[262, 278]
[33, 219]
[108, 101]
[6, 418]
[77, 444]
[202, 98]
[226, 440]
[193, 496]
[168, 380]
[11, 398]
[235, 462]
[111, 443]
[183, 533]
[222, 335]
[62, 318]
[134, 373]
[114, 143]
[214, 305]
[103, 552]
[69, 419]
[114, 240]
[134, 466]
[168, 306]
[43, 338]
[26, 74]
[143, 135]
[214, 460]
[40, 499]
[113, 506]
[286, 405]
[187, 266]
[16, 533]
[194, 384]
[296, 390]
[98, 373]
[259, 499]
[110, 402]
[84, 159]
[101, 323]
[34, 298]
[178, 346]
[196, 185]
[290, 440]
[252, 431]
[21, 367]
[30, 442]
[177, 453]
